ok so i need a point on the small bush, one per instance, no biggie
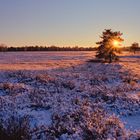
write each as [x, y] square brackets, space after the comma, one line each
[101, 126]
[68, 85]
[15, 128]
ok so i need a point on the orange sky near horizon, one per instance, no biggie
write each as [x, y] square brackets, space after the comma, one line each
[67, 22]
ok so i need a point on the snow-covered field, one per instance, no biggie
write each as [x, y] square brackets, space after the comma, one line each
[66, 97]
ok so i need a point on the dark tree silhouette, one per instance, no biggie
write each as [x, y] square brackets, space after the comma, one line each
[109, 45]
[134, 47]
[45, 48]
[3, 48]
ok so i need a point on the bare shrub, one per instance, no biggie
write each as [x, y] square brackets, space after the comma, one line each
[39, 98]
[12, 89]
[15, 128]
[68, 84]
[44, 79]
[101, 126]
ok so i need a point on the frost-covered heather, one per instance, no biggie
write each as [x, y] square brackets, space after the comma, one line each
[66, 97]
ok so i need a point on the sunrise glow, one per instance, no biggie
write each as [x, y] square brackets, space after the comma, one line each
[116, 43]
[66, 22]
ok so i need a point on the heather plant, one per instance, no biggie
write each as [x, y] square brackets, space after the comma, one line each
[15, 128]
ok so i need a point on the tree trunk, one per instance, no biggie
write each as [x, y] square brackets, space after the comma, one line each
[110, 58]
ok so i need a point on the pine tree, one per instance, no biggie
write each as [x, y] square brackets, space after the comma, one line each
[134, 47]
[108, 46]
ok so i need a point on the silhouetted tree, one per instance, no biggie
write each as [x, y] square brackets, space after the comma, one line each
[134, 47]
[3, 48]
[109, 45]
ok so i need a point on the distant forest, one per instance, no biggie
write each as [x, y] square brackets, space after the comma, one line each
[4, 48]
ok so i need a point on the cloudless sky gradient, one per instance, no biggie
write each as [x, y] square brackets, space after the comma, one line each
[67, 22]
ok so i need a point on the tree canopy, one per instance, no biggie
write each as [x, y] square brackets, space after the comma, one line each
[108, 46]
[134, 47]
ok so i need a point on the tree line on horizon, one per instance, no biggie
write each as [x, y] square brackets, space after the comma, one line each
[4, 48]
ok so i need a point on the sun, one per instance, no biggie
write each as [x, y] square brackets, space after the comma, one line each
[116, 43]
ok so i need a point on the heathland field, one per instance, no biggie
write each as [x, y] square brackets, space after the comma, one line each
[63, 95]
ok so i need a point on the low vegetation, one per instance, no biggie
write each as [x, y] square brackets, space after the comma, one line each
[83, 101]
[14, 128]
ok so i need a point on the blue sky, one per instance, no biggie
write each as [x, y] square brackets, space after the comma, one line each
[67, 22]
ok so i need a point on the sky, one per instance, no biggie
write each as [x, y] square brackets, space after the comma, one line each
[67, 22]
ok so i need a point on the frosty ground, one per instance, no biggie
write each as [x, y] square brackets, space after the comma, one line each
[66, 96]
